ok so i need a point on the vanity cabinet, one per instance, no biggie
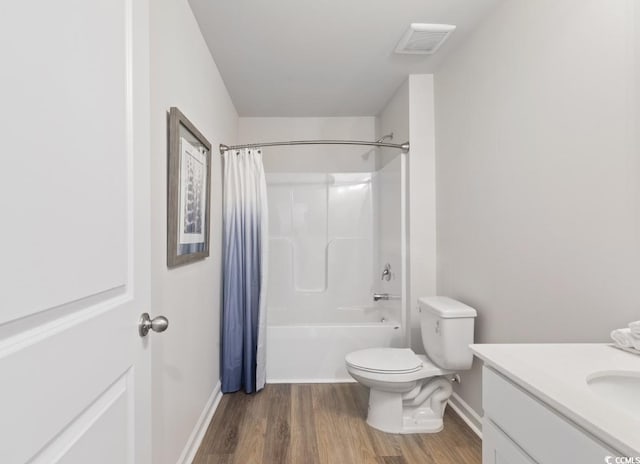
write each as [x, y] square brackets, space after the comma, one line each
[519, 428]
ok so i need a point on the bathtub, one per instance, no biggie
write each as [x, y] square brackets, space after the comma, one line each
[314, 352]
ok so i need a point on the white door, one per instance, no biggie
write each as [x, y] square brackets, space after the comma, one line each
[74, 231]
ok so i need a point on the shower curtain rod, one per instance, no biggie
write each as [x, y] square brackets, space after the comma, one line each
[401, 146]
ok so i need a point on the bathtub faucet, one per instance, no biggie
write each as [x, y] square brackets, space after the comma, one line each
[386, 273]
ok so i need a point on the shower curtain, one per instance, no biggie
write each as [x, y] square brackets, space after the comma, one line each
[244, 271]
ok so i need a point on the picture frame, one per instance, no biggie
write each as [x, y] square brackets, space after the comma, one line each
[189, 191]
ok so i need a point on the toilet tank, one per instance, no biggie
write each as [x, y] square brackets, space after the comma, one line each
[447, 331]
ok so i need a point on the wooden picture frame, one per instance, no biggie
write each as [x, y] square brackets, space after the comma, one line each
[189, 191]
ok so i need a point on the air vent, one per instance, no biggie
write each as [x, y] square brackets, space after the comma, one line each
[424, 39]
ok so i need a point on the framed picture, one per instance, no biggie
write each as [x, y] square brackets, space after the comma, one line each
[189, 178]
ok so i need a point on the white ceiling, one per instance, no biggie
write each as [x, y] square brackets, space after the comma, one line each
[323, 57]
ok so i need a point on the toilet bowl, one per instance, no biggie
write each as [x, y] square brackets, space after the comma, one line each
[409, 391]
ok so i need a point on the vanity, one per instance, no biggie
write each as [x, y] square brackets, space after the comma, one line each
[559, 403]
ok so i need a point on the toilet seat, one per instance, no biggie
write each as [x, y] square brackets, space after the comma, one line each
[385, 360]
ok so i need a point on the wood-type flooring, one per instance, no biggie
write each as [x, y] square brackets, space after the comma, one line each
[323, 424]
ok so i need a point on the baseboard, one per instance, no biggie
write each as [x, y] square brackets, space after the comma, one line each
[345, 380]
[191, 448]
[472, 419]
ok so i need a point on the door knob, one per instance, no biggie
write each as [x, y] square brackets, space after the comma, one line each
[157, 324]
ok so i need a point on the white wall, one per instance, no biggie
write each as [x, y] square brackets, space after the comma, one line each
[312, 158]
[185, 357]
[421, 210]
[409, 115]
[394, 118]
[538, 162]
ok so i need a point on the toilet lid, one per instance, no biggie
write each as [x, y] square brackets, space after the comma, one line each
[392, 360]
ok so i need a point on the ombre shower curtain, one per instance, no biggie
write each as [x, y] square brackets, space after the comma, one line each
[244, 271]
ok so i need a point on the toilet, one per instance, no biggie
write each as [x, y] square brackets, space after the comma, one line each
[408, 391]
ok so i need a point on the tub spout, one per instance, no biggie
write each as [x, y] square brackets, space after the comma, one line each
[384, 296]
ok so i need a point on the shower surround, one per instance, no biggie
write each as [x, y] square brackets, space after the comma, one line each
[330, 236]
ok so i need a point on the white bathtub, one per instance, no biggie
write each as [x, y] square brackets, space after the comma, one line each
[314, 353]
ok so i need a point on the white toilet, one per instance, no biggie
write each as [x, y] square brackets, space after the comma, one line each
[408, 391]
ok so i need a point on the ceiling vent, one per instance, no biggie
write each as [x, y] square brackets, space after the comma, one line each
[424, 39]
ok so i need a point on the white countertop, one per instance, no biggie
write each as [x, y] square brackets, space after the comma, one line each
[557, 373]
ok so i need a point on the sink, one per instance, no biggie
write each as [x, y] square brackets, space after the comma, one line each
[621, 389]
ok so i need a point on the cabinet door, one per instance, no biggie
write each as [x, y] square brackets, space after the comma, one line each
[497, 448]
[540, 431]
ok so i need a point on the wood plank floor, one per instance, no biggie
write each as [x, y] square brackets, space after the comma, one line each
[323, 424]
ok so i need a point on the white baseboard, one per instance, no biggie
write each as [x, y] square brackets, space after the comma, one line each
[472, 419]
[345, 380]
[191, 448]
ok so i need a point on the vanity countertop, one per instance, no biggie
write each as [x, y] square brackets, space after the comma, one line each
[557, 374]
